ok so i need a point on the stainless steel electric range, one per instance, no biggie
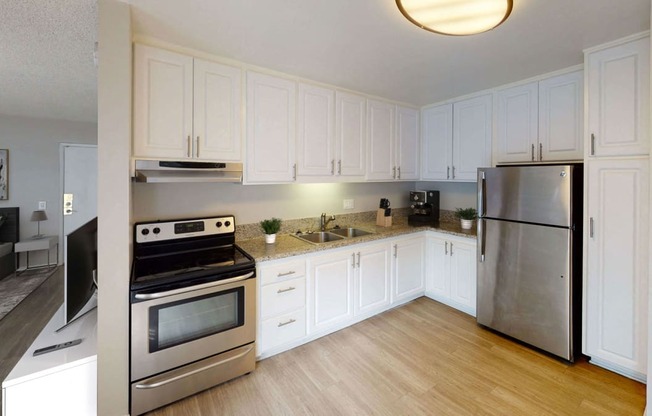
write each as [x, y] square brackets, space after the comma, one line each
[193, 309]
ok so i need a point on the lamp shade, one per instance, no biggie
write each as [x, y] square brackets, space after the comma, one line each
[456, 17]
[39, 216]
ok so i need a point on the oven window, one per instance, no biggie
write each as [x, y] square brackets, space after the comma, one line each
[186, 320]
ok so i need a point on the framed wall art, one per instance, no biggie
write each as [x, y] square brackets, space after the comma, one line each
[4, 174]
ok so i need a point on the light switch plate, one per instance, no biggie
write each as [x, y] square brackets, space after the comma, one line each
[42, 205]
[348, 204]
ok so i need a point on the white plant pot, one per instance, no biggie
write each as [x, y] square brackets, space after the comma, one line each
[466, 224]
[270, 238]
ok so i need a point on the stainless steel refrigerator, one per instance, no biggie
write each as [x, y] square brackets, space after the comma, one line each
[530, 254]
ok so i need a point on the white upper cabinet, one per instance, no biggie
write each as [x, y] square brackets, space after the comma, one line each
[315, 135]
[541, 121]
[393, 148]
[331, 144]
[185, 108]
[456, 139]
[271, 106]
[380, 128]
[618, 79]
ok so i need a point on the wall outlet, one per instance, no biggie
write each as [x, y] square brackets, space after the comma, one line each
[42, 205]
[348, 204]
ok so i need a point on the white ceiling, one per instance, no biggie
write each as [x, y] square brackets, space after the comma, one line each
[46, 46]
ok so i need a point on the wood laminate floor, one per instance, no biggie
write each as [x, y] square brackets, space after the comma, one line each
[423, 358]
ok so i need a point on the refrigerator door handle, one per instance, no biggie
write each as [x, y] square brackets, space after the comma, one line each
[482, 239]
[481, 197]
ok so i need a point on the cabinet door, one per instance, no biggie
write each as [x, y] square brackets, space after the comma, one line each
[409, 276]
[438, 281]
[351, 134]
[517, 124]
[463, 275]
[617, 247]
[407, 143]
[471, 137]
[331, 290]
[217, 91]
[270, 129]
[162, 103]
[619, 94]
[373, 278]
[315, 138]
[380, 128]
[561, 117]
[437, 142]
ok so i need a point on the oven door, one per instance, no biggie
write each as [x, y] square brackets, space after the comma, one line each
[176, 327]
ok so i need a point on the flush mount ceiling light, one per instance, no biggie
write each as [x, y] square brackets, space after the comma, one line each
[456, 17]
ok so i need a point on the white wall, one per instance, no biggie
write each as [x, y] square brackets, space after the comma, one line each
[256, 202]
[34, 169]
[453, 194]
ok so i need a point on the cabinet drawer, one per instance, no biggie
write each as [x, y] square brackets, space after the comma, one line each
[283, 329]
[282, 297]
[282, 271]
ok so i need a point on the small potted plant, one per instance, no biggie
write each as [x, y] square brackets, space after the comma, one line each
[270, 228]
[466, 216]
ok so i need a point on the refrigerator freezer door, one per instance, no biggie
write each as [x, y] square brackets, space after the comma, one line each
[524, 283]
[536, 194]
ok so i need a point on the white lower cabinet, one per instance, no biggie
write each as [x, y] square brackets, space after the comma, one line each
[306, 297]
[452, 272]
[408, 268]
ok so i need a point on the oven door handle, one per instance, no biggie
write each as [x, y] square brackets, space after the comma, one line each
[193, 372]
[148, 296]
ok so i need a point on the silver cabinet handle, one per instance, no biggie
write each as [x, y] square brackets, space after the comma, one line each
[189, 146]
[394, 174]
[540, 151]
[286, 273]
[353, 260]
[592, 144]
[453, 171]
[446, 248]
[448, 172]
[192, 372]
[333, 167]
[533, 152]
[289, 289]
[339, 167]
[288, 322]
[197, 147]
[147, 296]
[358, 264]
[399, 172]
[395, 250]
[591, 229]
[294, 175]
[451, 248]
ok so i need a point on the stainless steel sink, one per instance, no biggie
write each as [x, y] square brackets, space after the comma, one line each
[350, 232]
[319, 237]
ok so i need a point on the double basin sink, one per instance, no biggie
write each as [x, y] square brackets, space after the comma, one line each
[336, 234]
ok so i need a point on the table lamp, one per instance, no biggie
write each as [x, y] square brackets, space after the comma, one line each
[39, 216]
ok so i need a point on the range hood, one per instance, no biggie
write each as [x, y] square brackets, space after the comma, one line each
[155, 171]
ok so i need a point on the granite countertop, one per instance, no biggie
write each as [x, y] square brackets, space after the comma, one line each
[287, 245]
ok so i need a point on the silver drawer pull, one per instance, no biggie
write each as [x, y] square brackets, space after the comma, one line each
[289, 289]
[286, 273]
[291, 321]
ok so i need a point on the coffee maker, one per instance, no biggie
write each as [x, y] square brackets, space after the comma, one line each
[425, 208]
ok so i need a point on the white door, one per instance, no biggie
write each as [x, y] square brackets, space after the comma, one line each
[217, 112]
[471, 137]
[517, 124]
[561, 115]
[380, 122]
[437, 142]
[79, 187]
[373, 278]
[463, 275]
[351, 134]
[409, 276]
[331, 286]
[315, 134]
[438, 282]
[407, 143]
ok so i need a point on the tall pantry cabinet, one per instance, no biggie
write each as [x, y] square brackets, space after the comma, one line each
[616, 241]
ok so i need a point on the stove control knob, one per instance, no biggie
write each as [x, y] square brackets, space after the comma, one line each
[156, 230]
[227, 223]
[218, 224]
[145, 231]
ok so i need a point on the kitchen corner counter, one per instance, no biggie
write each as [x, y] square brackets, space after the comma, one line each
[287, 245]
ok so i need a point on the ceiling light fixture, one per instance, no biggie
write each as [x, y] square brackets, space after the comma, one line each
[456, 17]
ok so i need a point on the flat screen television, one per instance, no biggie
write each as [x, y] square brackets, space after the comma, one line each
[80, 269]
